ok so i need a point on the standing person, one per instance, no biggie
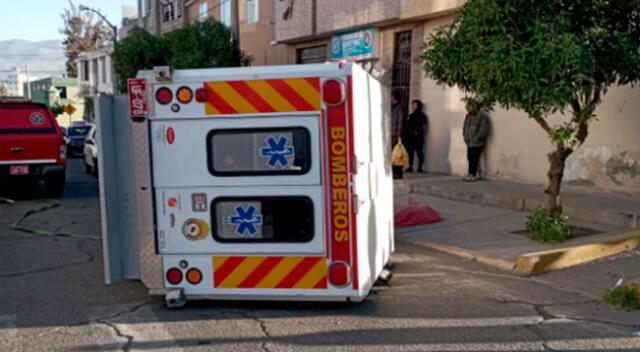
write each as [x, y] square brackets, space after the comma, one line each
[475, 132]
[417, 126]
[398, 119]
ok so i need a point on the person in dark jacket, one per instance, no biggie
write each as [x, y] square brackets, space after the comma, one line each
[398, 119]
[417, 126]
[475, 132]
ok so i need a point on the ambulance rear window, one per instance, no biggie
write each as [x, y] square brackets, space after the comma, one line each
[261, 151]
[262, 219]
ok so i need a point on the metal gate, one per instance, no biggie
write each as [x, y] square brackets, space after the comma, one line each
[401, 76]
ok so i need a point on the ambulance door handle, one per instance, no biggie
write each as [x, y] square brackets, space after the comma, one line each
[356, 203]
[354, 164]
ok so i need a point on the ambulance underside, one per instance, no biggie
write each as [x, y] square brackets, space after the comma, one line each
[258, 183]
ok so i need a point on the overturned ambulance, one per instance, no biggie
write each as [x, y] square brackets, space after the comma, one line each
[261, 183]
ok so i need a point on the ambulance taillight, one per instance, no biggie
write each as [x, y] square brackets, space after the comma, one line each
[201, 95]
[333, 92]
[184, 95]
[174, 276]
[339, 274]
[194, 276]
[164, 95]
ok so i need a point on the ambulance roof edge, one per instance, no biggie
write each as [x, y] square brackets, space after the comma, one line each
[329, 69]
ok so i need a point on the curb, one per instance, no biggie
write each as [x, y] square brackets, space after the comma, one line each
[621, 219]
[541, 262]
[535, 263]
[463, 253]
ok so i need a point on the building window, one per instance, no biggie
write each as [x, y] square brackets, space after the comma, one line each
[84, 70]
[202, 12]
[63, 92]
[225, 12]
[171, 10]
[311, 55]
[253, 11]
[103, 73]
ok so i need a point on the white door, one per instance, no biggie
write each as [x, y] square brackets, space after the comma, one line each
[239, 151]
[242, 185]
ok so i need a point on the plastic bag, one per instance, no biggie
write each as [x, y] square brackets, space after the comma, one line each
[399, 155]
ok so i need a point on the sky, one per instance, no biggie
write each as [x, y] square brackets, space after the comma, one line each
[40, 19]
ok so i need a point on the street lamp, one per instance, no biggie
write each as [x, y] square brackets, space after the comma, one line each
[114, 28]
[115, 38]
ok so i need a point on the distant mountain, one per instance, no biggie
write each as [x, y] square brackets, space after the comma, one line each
[45, 57]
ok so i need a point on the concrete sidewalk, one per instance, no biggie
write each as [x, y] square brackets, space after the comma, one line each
[618, 210]
[488, 234]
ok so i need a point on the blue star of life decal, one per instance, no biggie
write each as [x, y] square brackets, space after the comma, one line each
[276, 151]
[245, 220]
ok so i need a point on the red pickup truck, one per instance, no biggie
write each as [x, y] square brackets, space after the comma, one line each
[32, 146]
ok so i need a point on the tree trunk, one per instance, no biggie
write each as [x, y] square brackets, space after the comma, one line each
[557, 161]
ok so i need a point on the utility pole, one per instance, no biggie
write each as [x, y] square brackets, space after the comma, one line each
[28, 81]
[235, 21]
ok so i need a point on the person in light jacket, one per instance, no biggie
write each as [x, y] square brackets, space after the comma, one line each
[475, 132]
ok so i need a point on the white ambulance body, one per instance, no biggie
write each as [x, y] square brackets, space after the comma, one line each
[248, 183]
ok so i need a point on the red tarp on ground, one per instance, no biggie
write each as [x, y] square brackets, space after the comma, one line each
[415, 214]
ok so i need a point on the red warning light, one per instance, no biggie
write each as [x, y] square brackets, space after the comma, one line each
[333, 92]
[164, 95]
[174, 276]
[201, 95]
[339, 274]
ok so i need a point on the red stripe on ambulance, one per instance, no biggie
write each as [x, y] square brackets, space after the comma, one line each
[339, 151]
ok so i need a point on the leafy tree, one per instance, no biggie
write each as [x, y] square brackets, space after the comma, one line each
[198, 45]
[542, 57]
[139, 50]
[82, 34]
[204, 44]
[4, 92]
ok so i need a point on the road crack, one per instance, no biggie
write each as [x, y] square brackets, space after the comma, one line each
[263, 328]
[540, 309]
[90, 259]
[127, 346]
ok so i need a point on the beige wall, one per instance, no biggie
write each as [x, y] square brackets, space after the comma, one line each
[335, 15]
[331, 16]
[77, 101]
[300, 22]
[422, 9]
[256, 38]
[517, 148]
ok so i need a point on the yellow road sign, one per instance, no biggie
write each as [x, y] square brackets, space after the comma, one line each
[69, 109]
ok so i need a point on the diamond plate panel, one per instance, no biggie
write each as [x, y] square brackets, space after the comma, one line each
[151, 271]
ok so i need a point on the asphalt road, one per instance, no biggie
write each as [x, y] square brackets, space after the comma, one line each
[53, 299]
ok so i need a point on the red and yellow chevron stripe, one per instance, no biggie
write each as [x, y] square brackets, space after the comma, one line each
[262, 96]
[270, 272]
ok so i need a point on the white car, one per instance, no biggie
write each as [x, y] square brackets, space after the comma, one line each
[91, 152]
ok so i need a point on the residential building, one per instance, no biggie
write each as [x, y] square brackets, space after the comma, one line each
[61, 91]
[156, 16]
[257, 30]
[15, 82]
[387, 38]
[95, 72]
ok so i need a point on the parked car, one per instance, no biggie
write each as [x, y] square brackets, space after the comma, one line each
[32, 145]
[91, 151]
[76, 136]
